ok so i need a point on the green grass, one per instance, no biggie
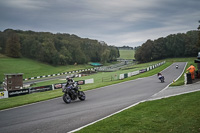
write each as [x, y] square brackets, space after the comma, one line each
[127, 54]
[32, 68]
[27, 99]
[179, 114]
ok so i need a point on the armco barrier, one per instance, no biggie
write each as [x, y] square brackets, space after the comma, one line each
[126, 75]
[37, 77]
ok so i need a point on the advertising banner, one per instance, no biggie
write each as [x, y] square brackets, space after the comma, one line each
[57, 86]
[129, 74]
[3, 94]
[40, 89]
[13, 93]
[88, 81]
[126, 75]
[143, 70]
[80, 82]
[121, 76]
[135, 73]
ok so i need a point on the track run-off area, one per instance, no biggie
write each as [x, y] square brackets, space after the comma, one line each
[54, 116]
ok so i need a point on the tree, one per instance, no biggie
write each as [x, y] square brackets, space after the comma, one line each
[105, 56]
[48, 52]
[13, 46]
[114, 53]
[64, 56]
[144, 53]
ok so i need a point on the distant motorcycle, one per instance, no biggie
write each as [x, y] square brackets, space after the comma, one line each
[162, 79]
[176, 66]
[72, 94]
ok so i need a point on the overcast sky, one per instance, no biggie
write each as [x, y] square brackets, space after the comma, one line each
[117, 22]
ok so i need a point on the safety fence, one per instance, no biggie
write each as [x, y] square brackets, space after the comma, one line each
[126, 75]
[58, 74]
[13, 93]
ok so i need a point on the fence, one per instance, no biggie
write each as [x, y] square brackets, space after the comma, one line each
[13, 93]
[126, 75]
[58, 74]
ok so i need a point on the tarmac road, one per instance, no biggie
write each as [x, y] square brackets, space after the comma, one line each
[55, 116]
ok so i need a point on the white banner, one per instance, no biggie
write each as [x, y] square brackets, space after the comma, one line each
[121, 76]
[89, 81]
[135, 73]
[129, 74]
[3, 94]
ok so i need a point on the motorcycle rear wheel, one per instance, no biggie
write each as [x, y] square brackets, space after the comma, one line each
[81, 95]
[67, 98]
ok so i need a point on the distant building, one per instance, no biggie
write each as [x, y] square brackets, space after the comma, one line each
[13, 81]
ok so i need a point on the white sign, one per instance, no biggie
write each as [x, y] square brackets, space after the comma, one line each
[88, 81]
[3, 94]
[121, 76]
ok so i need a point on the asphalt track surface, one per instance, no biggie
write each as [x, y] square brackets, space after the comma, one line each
[54, 116]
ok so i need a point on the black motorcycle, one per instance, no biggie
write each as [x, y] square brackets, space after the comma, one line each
[71, 93]
[162, 79]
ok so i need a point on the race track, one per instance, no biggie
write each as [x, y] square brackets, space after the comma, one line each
[55, 116]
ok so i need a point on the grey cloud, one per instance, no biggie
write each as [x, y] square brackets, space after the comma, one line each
[116, 22]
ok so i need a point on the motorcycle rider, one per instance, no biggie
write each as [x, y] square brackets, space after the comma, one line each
[176, 66]
[70, 81]
[159, 76]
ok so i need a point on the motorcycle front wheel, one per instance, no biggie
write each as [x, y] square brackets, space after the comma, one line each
[66, 98]
[81, 95]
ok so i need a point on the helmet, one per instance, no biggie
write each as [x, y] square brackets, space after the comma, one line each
[68, 78]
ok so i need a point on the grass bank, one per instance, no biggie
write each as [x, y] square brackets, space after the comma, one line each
[127, 54]
[179, 114]
[32, 68]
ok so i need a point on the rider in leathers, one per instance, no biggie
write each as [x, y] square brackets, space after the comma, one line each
[70, 81]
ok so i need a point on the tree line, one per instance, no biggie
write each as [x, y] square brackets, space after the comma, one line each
[174, 45]
[55, 49]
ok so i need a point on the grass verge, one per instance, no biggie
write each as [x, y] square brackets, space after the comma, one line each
[179, 114]
[127, 54]
[32, 68]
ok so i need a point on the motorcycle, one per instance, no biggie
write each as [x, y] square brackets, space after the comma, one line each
[176, 66]
[72, 94]
[162, 79]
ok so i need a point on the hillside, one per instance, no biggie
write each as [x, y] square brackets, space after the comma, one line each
[127, 54]
[32, 68]
[55, 49]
